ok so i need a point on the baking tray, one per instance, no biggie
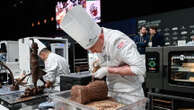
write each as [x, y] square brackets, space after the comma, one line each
[62, 101]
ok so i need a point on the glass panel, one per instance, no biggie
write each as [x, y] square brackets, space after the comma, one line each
[59, 51]
[181, 68]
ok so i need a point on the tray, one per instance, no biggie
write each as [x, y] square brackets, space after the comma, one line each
[62, 102]
[14, 97]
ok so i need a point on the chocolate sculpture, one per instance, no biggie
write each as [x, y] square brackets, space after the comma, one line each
[96, 90]
[36, 72]
[16, 83]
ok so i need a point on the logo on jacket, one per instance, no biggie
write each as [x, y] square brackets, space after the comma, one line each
[121, 45]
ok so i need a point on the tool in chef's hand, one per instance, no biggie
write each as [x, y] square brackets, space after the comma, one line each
[96, 66]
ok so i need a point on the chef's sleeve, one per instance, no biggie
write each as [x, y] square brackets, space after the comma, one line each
[128, 53]
[51, 69]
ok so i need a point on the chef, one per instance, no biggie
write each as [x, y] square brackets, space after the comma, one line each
[119, 59]
[55, 66]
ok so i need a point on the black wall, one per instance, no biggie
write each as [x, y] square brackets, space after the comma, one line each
[127, 26]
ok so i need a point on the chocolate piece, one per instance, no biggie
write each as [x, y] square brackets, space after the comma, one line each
[14, 87]
[15, 84]
[11, 74]
[96, 90]
[33, 91]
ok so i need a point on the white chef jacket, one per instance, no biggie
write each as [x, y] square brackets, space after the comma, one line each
[55, 66]
[118, 50]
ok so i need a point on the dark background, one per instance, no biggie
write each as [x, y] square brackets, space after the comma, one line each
[16, 16]
[174, 26]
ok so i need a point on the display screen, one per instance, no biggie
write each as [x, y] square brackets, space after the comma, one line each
[152, 62]
[93, 7]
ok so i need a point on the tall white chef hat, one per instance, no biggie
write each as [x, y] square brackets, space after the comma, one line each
[78, 24]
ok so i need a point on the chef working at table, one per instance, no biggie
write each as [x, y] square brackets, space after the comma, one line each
[118, 57]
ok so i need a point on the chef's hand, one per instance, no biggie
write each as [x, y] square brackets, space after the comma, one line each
[48, 84]
[100, 73]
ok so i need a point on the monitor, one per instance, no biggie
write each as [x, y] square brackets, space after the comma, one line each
[93, 7]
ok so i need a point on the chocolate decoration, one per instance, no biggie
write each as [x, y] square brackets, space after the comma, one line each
[33, 91]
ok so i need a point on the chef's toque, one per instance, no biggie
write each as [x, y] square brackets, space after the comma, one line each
[81, 27]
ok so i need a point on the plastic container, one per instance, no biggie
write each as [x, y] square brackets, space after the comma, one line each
[62, 102]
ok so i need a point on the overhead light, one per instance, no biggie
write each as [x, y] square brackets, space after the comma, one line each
[45, 21]
[52, 18]
[33, 24]
[38, 23]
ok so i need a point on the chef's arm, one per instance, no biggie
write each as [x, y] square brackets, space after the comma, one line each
[122, 70]
[128, 54]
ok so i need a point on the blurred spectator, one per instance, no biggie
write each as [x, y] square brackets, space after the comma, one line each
[191, 43]
[155, 39]
[142, 40]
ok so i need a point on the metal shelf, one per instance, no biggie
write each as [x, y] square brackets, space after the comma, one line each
[161, 108]
[82, 59]
[81, 63]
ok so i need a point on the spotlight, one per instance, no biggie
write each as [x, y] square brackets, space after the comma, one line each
[33, 24]
[38, 23]
[45, 21]
[52, 18]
